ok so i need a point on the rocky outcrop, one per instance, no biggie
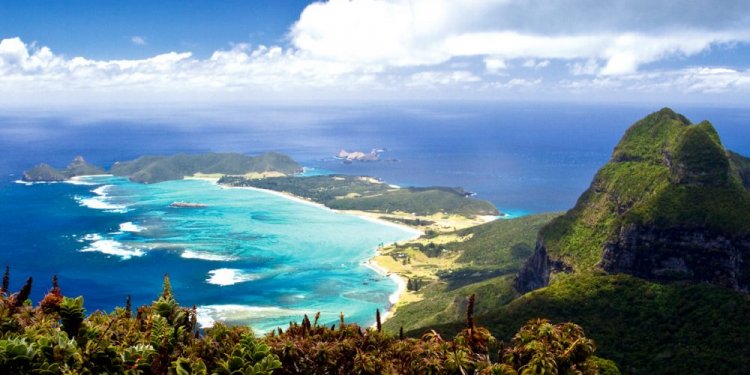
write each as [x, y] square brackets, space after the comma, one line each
[78, 167]
[689, 254]
[358, 155]
[536, 272]
[43, 172]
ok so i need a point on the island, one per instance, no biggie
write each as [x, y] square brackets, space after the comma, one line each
[153, 169]
[373, 155]
[44, 172]
[433, 208]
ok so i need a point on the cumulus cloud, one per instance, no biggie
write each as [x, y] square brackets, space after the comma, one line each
[389, 45]
[623, 34]
[494, 65]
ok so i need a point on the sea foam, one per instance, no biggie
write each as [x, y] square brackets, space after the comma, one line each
[112, 247]
[130, 227]
[190, 254]
[209, 314]
[229, 276]
[101, 201]
[74, 181]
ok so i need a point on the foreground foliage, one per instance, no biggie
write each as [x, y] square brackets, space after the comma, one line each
[56, 337]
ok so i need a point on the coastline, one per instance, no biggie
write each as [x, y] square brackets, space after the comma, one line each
[398, 297]
[400, 281]
[361, 214]
[371, 263]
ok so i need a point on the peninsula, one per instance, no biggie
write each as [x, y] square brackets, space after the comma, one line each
[435, 209]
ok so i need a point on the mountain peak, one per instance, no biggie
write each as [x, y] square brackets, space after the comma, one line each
[670, 205]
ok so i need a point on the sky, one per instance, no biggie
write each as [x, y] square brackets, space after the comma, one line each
[110, 52]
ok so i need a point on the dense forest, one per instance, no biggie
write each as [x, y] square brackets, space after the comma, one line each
[57, 337]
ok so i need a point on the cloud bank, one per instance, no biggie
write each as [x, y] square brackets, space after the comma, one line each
[387, 48]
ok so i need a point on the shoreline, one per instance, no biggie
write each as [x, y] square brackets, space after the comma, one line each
[400, 281]
[360, 214]
[371, 263]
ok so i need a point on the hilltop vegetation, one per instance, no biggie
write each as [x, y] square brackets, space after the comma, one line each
[57, 338]
[152, 169]
[366, 194]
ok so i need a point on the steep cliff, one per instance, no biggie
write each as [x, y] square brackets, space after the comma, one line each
[669, 205]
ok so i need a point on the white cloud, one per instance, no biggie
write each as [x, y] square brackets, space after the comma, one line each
[534, 64]
[494, 65]
[624, 35]
[443, 78]
[517, 83]
[680, 82]
[376, 46]
[590, 67]
[138, 40]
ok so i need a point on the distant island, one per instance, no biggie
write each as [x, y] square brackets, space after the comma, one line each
[44, 172]
[373, 155]
[153, 169]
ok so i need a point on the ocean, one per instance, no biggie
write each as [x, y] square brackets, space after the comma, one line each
[258, 259]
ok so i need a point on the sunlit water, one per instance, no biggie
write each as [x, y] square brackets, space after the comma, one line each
[248, 257]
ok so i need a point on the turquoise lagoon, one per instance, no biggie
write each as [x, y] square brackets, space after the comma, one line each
[247, 257]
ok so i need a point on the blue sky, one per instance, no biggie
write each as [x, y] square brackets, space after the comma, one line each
[106, 52]
[103, 29]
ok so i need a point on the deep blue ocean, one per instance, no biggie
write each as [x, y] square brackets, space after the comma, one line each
[258, 259]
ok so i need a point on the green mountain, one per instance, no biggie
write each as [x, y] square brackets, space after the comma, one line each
[649, 262]
[78, 167]
[152, 169]
[670, 205]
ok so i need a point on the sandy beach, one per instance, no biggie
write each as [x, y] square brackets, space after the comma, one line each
[371, 263]
[381, 268]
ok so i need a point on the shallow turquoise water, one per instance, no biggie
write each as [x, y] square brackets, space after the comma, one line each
[248, 257]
